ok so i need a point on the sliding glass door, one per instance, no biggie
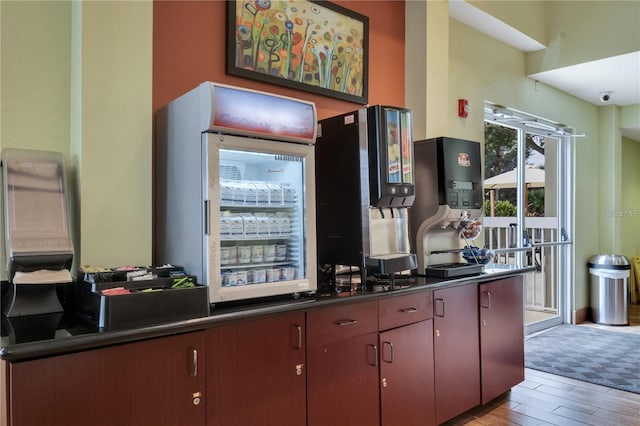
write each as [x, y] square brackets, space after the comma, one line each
[527, 207]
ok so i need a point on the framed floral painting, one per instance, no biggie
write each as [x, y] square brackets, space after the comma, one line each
[316, 46]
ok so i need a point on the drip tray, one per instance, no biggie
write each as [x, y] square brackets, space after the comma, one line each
[451, 270]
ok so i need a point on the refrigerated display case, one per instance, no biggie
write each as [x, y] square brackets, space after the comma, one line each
[235, 200]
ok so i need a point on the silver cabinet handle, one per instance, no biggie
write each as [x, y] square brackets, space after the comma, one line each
[346, 322]
[486, 305]
[391, 356]
[193, 368]
[439, 307]
[297, 340]
[207, 219]
[408, 310]
[372, 354]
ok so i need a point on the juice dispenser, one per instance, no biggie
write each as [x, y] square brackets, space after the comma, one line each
[364, 186]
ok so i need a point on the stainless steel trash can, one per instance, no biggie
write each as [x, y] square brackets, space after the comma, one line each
[609, 289]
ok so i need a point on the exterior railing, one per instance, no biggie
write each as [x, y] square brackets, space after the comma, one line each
[541, 286]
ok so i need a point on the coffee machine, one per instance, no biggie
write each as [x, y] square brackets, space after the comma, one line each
[448, 204]
[364, 187]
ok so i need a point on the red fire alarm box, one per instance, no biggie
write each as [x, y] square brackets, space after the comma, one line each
[463, 108]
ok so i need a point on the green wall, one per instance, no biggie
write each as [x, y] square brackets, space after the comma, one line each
[34, 79]
[584, 31]
[35, 60]
[630, 203]
[529, 17]
[114, 130]
[76, 78]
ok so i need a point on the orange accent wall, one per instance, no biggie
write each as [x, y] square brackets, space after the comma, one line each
[189, 48]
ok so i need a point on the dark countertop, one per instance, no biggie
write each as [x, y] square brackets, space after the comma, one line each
[37, 336]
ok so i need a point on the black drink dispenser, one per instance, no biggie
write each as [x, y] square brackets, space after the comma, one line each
[448, 199]
[364, 186]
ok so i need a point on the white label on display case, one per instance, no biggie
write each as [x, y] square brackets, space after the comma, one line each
[303, 286]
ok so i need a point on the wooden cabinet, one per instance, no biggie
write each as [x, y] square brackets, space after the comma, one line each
[456, 350]
[256, 373]
[342, 371]
[406, 360]
[501, 336]
[400, 360]
[158, 382]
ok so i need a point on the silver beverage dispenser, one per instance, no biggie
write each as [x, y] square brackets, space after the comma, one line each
[447, 206]
[364, 186]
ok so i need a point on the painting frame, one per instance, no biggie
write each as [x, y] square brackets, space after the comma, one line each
[328, 55]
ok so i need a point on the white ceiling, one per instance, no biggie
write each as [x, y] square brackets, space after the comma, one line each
[618, 76]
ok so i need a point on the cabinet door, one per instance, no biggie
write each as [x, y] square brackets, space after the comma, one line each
[457, 351]
[343, 387]
[146, 383]
[501, 336]
[166, 381]
[406, 371]
[256, 372]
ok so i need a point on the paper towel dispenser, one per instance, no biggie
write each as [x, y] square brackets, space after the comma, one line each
[37, 233]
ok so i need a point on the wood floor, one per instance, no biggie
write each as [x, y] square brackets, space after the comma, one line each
[546, 399]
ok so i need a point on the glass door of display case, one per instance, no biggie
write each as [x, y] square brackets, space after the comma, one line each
[261, 230]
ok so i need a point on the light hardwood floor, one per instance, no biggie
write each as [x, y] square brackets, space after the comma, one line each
[545, 399]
